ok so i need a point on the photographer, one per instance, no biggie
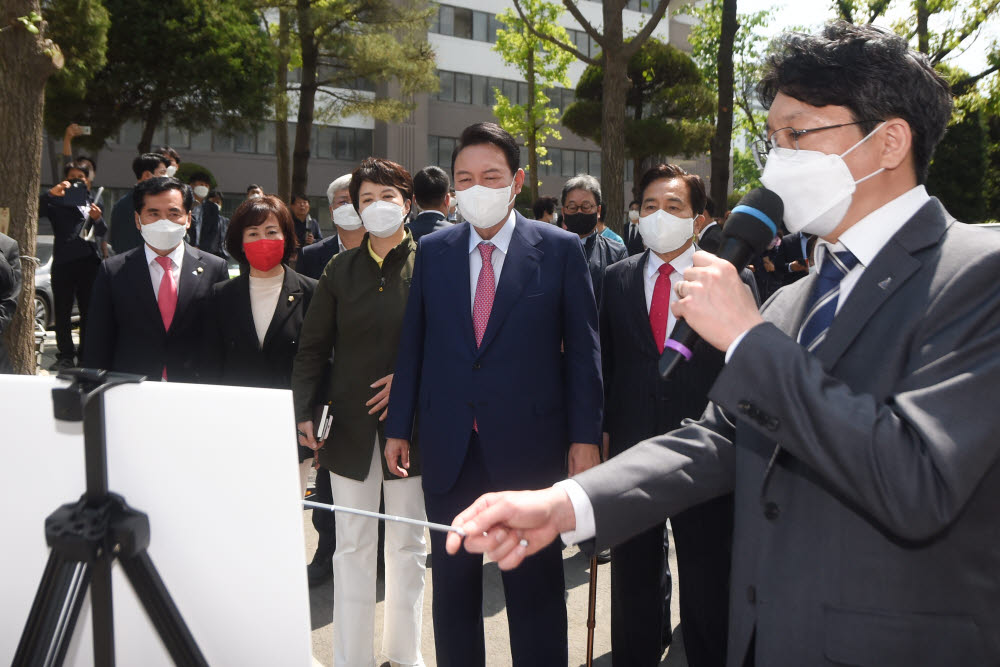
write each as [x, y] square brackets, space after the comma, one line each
[10, 290]
[76, 222]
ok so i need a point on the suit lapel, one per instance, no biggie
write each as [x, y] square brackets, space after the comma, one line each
[636, 299]
[242, 312]
[145, 291]
[522, 261]
[289, 300]
[458, 277]
[191, 281]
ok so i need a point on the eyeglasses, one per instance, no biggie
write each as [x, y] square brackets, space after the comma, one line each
[586, 207]
[787, 138]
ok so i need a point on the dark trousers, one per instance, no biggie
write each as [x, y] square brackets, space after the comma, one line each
[535, 591]
[703, 539]
[640, 599]
[74, 278]
[325, 523]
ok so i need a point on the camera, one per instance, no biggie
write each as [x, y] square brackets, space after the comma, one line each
[85, 130]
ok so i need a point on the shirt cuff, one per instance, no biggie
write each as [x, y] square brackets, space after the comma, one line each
[732, 346]
[583, 511]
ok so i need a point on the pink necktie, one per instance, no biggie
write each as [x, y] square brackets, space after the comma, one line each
[486, 289]
[166, 296]
[659, 307]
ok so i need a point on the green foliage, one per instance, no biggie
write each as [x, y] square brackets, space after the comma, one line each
[187, 168]
[958, 172]
[541, 67]
[666, 104]
[80, 28]
[746, 174]
[188, 62]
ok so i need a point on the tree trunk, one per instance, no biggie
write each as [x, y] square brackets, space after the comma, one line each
[307, 97]
[26, 62]
[532, 129]
[281, 109]
[153, 118]
[923, 14]
[723, 139]
[616, 86]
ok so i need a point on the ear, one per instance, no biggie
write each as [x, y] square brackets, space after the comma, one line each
[138, 225]
[897, 144]
[406, 208]
[518, 181]
[187, 225]
[699, 223]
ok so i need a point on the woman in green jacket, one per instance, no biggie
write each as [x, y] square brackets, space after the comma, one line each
[357, 314]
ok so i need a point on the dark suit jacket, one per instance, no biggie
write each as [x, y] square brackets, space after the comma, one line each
[790, 251]
[124, 329]
[233, 354]
[123, 234]
[314, 257]
[427, 222]
[633, 239]
[210, 235]
[711, 239]
[601, 252]
[67, 223]
[530, 402]
[867, 475]
[10, 292]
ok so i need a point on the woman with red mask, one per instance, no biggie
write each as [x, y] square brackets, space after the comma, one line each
[252, 332]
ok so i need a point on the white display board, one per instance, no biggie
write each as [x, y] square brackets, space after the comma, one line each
[215, 470]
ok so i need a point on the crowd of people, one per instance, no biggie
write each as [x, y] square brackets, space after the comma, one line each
[495, 353]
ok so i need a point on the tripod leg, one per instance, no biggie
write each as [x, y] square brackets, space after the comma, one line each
[101, 605]
[54, 613]
[162, 611]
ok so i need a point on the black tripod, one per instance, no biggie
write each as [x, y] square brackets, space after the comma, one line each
[85, 538]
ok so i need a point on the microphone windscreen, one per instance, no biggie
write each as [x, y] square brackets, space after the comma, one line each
[755, 219]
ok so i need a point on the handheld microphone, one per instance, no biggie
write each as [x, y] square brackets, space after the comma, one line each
[748, 231]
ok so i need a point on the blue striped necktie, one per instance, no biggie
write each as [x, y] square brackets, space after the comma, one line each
[823, 305]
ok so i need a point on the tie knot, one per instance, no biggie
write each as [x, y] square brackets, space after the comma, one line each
[836, 265]
[665, 270]
[164, 262]
[486, 250]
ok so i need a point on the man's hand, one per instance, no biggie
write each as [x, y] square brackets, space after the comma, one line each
[605, 446]
[72, 131]
[306, 438]
[715, 302]
[799, 266]
[59, 189]
[310, 239]
[583, 456]
[381, 399]
[397, 456]
[95, 212]
[768, 265]
[516, 524]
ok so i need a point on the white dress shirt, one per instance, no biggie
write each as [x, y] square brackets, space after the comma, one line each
[681, 263]
[156, 271]
[865, 239]
[502, 242]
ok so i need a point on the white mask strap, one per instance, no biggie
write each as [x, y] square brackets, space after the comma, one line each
[867, 136]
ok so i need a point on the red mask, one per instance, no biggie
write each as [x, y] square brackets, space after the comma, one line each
[264, 254]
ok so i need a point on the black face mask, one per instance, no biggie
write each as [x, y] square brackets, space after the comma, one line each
[580, 223]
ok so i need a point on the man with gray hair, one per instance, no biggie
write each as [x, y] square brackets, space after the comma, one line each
[581, 205]
[314, 258]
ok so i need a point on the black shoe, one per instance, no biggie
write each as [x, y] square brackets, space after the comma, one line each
[320, 569]
[604, 557]
[61, 364]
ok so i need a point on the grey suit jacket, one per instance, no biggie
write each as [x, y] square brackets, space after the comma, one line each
[867, 485]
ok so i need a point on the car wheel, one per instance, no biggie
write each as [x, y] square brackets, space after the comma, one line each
[41, 313]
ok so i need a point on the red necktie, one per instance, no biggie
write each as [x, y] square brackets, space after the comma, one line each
[166, 296]
[486, 289]
[659, 307]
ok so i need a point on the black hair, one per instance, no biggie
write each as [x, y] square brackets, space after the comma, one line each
[297, 196]
[869, 70]
[383, 172]
[695, 184]
[489, 133]
[709, 206]
[200, 176]
[254, 186]
[156, 185]
[213, 193]
[92, 171]
[635, 202]
[543, 205]
[430, 187]
[169, 153]
[74, 165]
[148, 162]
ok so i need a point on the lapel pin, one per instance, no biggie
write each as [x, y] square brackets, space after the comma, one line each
[885, 283]
[291, 298]
[199, 270]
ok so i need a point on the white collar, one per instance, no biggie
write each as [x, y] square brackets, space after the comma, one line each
[867, 236]
[501, 239]
[176, 255]
[681, 262]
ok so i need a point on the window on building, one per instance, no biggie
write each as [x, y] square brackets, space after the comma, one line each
[480, 93]
[480, 26]
[178, 138]
[202, 141]
[493, 24]
[446, 20]
[326, 139]
[463, 23]
[346, 146]
[245, 142]
[266, 142]
[463, 88]
[447, 91]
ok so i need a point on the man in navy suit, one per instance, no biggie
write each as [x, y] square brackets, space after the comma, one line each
[148, 304]
[499, 362]
[314, 257]
[430, 189]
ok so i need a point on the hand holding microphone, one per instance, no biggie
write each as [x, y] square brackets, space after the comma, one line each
[714, 304]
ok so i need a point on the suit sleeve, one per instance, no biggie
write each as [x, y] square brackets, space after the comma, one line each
[912, 459]
[10, 283]
[659, 478]
[99, 343]
[409, 359]
[746, 275]
[319, 331]
[582, 347]
[607, 351]
[212, 340]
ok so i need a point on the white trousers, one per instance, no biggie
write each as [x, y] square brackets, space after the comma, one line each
[355, 563]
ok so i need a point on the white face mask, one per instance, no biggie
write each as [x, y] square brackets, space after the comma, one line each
[200, 191]
[663, 232]
[382, 218]
[163, 234]
[633, 216]
[555, 218]
[485, 207]
[171, 170]
[345, 217]
[816, 188]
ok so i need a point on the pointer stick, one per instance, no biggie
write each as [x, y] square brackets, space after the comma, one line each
[386, 517]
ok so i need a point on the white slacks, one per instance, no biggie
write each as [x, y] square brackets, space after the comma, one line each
[355, 563]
